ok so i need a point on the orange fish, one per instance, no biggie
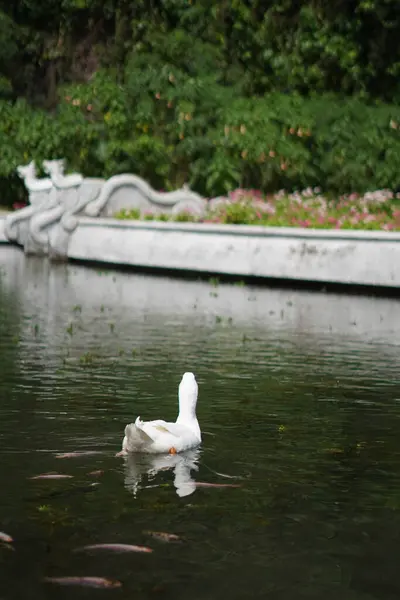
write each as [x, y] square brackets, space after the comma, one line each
[163, 536]
[77, 454]
[94, 582]
[4, 537]
[52, 476]
[217, 485]
[116, 548]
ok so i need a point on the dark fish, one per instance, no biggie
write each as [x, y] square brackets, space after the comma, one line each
[163, 536]
[217, 485]
[52, 476]
[96, 473]
[94, 582]
[77, 454]
[116, 548]
[4, 537]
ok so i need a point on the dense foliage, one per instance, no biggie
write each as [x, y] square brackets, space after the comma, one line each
[218, 95]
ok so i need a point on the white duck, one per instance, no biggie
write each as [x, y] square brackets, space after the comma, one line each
[159, 437]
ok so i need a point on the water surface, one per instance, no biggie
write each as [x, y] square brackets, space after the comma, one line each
[299, 404]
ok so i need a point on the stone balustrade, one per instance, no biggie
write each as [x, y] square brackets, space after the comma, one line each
[71, 217]
[57, 202]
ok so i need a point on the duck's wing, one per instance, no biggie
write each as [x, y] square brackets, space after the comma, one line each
[156, 428]
[159, 429]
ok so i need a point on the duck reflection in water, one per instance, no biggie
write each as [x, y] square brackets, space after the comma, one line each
[137, 466]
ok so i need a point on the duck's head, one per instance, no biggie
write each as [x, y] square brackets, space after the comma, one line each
[186, 377]
[188, 391]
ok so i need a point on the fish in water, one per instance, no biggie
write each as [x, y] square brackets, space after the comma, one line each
[77, 454]
[163, 536]
[223, 474]
[52, 476]
[4, 537]
[93, 582]
[217, 485]
[116, 548]
[96, 473]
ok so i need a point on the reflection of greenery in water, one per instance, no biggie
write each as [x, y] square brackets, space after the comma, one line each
[309, 422]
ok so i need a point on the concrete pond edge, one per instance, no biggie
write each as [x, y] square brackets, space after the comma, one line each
[70, 217]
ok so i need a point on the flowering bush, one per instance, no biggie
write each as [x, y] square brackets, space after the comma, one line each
[309, 208]
[217, 95]
[172, 127]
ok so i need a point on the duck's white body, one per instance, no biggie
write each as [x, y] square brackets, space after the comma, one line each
[159, 437]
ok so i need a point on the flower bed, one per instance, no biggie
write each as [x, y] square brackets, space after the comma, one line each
[379, 210]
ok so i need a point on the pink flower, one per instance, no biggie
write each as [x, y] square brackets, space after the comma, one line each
[308, 193]
[18, 205]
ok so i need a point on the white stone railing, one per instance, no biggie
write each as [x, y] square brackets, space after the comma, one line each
[56, 203]
[353, 257]
[70, 217]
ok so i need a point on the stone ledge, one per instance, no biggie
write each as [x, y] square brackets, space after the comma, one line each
[246, 230]
[297, 254]
[328, 256]
[69, 217]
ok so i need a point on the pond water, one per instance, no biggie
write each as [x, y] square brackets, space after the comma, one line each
[299, 402]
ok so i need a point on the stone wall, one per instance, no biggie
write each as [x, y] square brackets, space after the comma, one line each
[69, 216]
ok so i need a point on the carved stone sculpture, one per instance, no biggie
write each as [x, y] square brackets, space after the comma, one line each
[49, 212]
[72, 201]
[17, 223]
[57, 202]
[130, 191]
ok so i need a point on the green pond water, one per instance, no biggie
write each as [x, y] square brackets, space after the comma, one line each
[299, 403]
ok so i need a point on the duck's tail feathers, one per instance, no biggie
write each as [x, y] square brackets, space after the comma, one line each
[139, 423]
[136, 438]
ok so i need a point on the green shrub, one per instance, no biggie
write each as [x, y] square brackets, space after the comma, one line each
[217, 95]
[172, 128]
